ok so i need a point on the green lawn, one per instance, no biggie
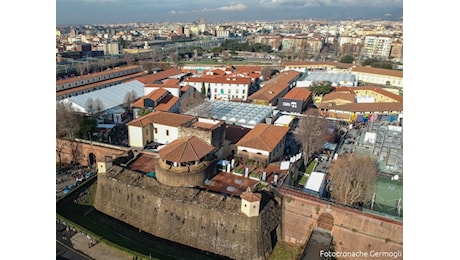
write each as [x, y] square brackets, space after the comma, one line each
[285, 251]
[309, 169]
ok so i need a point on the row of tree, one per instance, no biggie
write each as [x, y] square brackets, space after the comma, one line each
[351, 177]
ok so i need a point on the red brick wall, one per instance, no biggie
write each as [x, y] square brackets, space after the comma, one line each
[97, 149]
[352, 230]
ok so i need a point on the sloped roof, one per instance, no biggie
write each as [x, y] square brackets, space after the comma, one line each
[378, 71]
[155, 95]
[363, 107]
[263, 137]
[186, 149]
[298, 94]
[339, 95]
[251, 197]
[151, 78]
[162, 118]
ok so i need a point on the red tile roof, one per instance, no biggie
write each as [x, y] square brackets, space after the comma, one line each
[92, 75]
[339, 95]
[162, 118]
[223, 80]
[155, 95]
[275, 86]
[379, 71]
[150, 78]
[167, 103]
[363, 107]
[298, 94]
[251, 197]
[186, 149]
[263, 137]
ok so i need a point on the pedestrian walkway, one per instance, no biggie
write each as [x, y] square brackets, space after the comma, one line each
[99, 251]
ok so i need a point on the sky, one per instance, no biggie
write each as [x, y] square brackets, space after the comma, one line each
[77, 12]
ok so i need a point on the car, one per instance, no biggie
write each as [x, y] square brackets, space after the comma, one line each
[68, 188]
[89, 174]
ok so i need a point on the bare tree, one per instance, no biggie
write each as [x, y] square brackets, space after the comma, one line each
[267, 73]
[192, 100]
[76, 152]
[129, 99]
[352, 179]
[59, 149]
[67, 120]
[311, 132]
[89, 104]
[98, 106]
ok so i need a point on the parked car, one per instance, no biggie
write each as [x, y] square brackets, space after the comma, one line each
[89, 174]
[68, 188]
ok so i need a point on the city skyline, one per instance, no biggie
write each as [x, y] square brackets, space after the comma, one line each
[78, 12]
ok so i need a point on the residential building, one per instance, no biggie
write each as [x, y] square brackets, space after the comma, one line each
[378, 76]
[222, 87]
[156, 127]
[158, 100]
[264, 143]
[377, 46]
[360, 104]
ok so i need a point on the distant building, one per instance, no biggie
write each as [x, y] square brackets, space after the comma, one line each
[377, 46]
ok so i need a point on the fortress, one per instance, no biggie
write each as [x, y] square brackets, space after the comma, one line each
[197, 218]
[244, 226]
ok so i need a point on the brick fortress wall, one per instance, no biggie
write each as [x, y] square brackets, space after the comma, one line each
[200, 219]
[352, 230]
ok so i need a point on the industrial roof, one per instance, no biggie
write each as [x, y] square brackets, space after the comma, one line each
[242, 114]
[110, 97]
[332, 77]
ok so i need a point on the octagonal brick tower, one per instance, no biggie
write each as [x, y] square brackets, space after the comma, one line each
[185, 162]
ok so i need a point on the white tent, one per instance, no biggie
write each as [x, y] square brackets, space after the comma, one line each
[110, 97]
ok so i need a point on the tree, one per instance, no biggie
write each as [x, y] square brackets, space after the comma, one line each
[267, 73]
[347, 59]
[311, 132]
[190, 101]
[321, 88]
[98, 106]
[143, 111]
[89, 104]
[59, 149]
[129, 99]
[203, 89]
[67, 120]
[76, 152]
[352, 179]
[87, 126]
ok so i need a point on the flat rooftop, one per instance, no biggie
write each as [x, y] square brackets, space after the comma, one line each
[229, 183]
[233, 113]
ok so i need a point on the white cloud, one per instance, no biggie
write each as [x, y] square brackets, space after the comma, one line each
[237, 7]
[329, 3]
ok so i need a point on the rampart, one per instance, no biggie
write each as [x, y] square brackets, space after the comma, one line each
[352, 230]
[194, 217]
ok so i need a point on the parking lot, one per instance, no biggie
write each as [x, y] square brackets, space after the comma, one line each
[71, 177]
